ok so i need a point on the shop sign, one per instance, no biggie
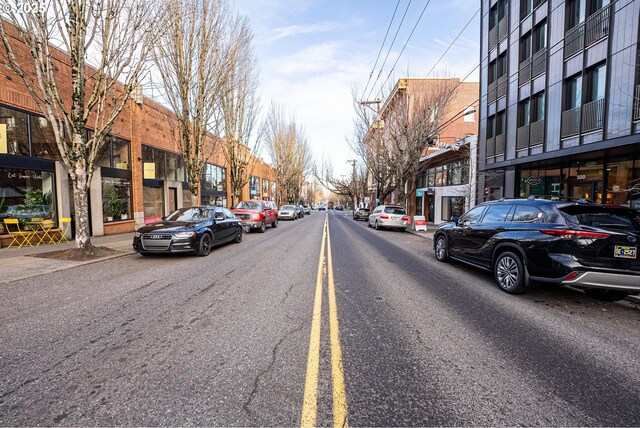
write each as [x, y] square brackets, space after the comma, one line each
[3, 138]
[419, 193]
[534, 180]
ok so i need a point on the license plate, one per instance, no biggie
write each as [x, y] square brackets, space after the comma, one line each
[625, 252]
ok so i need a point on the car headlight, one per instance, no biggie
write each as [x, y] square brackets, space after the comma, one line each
[185, 234]
[255, 216]
[138, 234]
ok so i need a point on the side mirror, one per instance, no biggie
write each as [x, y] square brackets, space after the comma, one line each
[219, 217]
[455, 218]
[164, 217]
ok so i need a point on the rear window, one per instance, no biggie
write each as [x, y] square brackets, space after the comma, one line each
[527, 214]
[366, 210]
[394, 210]
[249, 205]
[603, 217]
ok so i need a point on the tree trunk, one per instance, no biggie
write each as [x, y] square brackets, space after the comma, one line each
[79, 180]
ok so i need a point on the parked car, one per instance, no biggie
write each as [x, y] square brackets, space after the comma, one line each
[257, 214]
[339, 207]
[189, 230]
[361, 213]
[299, 211]
[287, 212]
[314, 207]
[322, 207]
[388, 216]
[585, 245]
[306, 209]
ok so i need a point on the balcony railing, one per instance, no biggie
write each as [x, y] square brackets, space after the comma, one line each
[596, 26]
[524, 72]
[636, 104]
[570, 122]
[522, 137]
[593, 115]
[493, 37]
[500, 144]
[501, 89]
[491, 92]
[574, 41]
[539, 63]
[537, 133]
[491, 147]
[503, 27]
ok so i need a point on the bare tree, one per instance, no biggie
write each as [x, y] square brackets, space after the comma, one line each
[106, 43]
[354, 186]
[193, 60]
[290, 153]
[239, 104]
[392, 141]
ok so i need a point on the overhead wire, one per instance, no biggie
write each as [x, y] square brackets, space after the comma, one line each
[373, 69]
[390, 47]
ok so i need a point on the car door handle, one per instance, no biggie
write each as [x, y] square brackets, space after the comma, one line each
[500, 228]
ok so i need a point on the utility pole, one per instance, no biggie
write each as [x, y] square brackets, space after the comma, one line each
[353, 183]
[368, 103]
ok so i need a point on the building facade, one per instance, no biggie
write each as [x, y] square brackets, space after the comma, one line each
[559, 105]
[139, 175]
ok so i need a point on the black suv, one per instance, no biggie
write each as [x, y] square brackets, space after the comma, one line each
[589, 246]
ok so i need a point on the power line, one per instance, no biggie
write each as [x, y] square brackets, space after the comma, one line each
[403, 47]
[390, 46]
[373, 69]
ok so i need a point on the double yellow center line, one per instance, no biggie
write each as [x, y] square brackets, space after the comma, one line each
[310, 404]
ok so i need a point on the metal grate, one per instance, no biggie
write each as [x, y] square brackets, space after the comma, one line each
[596, 26]
[573, 41]
[522, 138]
[636, 104]
[537, 133]
[524, 73]
[570, 122]
[593, 115]
[501, 89]
[500, 144]
[539, 63]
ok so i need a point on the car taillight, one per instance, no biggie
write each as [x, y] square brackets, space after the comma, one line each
[568, 233]
[405, 218]
[572, 275]
[384, 217]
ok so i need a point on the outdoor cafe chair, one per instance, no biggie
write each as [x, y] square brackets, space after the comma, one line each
[19, 237]
[62, 229]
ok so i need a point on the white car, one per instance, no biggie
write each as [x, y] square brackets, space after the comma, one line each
[388, 216]
[287, 212]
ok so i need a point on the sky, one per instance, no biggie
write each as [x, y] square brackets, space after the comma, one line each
[312, 53]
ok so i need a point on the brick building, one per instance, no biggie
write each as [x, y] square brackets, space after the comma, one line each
[457, 122]
[139, 176]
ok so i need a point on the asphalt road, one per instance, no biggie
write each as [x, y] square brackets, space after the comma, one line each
[226, 340]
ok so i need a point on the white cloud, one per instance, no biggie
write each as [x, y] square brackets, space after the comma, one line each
[296, 30]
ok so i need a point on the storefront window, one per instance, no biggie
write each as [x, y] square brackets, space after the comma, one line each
[116, 199]
[27, 194]
[175, 171]
[620, 183]
[153, 162]
[265, 188]
[273, 189]
[120, 150]
[254, 187]
[43, 141]
[153, 202]
[14, 132]
[452, 206]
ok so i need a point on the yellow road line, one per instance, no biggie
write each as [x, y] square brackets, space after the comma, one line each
[310, 404]
[337, 372]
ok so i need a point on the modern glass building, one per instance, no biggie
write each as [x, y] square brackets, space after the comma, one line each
[560, 100]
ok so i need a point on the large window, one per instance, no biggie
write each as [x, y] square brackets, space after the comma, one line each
[115, 153]
[213, 178]
[573, 92]
[116, 199]
[597, 79]
[254, 187]
[452, 206]
[27, 194]
[15, 132]
[43, 142]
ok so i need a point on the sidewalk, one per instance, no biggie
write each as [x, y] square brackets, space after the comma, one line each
[19, 263]
[425, 235]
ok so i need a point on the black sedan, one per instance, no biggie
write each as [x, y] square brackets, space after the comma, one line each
[189, 230]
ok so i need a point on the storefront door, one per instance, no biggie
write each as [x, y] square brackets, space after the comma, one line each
[173, 199]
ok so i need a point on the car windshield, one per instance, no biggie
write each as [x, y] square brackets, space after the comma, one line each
[249, 205]
[608, 218]
[394, 210]
[190, 214]
[287, 207]
[364, 210]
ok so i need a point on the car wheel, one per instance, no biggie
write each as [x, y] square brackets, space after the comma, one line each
[263, 227]
[509, 273]
[204, 246]
[442, 252]
[274, 224]
[238, 235]
[606, 295]
[368, 223]
[378, 227]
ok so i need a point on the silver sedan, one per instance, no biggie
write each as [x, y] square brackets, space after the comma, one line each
[287, 212]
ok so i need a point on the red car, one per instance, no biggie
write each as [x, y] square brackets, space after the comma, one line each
[257, 214]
